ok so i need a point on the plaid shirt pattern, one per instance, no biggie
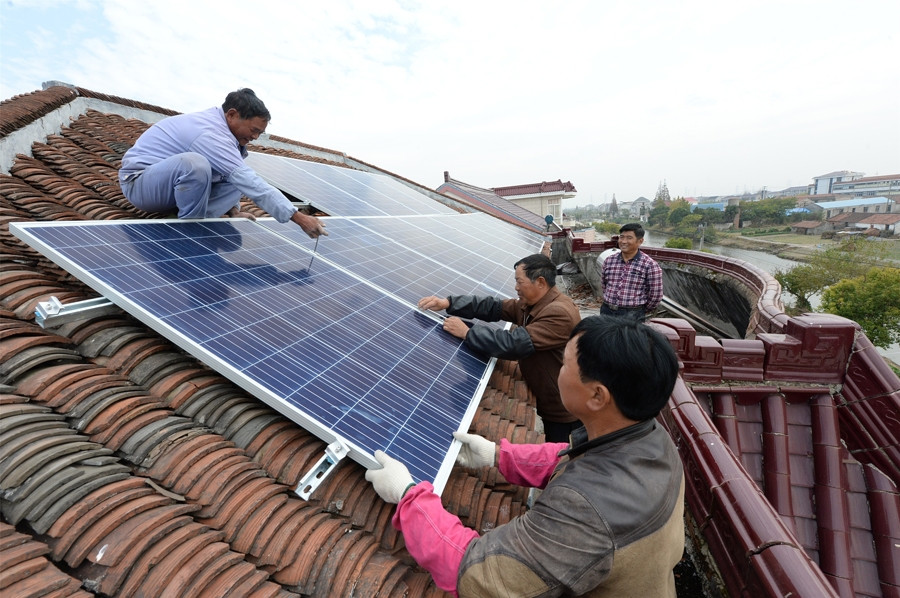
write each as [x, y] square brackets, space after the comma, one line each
[634, 283]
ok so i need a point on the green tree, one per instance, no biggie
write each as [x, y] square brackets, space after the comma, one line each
[690, 226]
[662, 194]
[607, 228]
[713, 215]
[773, 210]
[850, 259]
[679, 243]
[659, 214]
[729, 213]
[678, 210]
[802, 281]
[871, 300]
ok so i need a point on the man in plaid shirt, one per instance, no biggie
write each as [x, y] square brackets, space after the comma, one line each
[632, 281]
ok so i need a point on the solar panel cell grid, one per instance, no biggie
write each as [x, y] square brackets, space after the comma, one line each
[416, 256]
[329, 350]
[342, 191]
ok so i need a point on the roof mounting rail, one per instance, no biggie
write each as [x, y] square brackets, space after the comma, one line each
[52, 313]
[334, 452]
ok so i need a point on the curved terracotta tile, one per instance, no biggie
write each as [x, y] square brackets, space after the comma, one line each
[124, 427]
[329, 564]
[193, 396]
[52, 457]
[65, 528]
[45, 383]
[170, 386]
[209, 470]
[31, 358]
[147, 440]
[249, 424]
[298, 456]
[298, 575]
[27, 443]
[177, 563]
[105, 522]
[213, 411]
[346, 493]
[81, 330]
[265, 435]
[26, 299]
[26, 571]
[115, 554]
[253, 502]
[240, 579]
[159, 367]
[272, 547]
[98, 343]
[132, 353]
[87, 411]
[269, 526]
[173, 465]
[244, 497]
[355, 561]
[82, 393]
[247, 531]
[149, 559]
[233, 478]
[167, 464]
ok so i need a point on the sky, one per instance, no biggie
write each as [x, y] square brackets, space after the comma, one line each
[709, 98]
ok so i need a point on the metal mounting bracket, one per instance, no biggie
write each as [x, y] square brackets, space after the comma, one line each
[49, 314]
[334, 452]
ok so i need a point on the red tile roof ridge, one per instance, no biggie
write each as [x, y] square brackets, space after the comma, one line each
[529, 188]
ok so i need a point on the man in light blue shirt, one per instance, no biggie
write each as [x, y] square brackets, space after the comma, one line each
[194, 163]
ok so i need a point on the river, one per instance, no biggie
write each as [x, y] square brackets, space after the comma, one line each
[768, 262]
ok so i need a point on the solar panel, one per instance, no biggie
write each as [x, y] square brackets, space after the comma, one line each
[415, 256]
[327, 348]
[343, 191]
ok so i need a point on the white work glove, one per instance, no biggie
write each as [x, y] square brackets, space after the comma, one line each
[476, 450]
[391, 481]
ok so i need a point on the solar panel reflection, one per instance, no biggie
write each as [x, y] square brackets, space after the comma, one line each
[342, 191]
[414, 256]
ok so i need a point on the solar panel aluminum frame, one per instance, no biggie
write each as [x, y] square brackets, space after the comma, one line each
[311, 424]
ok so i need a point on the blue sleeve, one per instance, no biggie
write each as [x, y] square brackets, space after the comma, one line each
[265, 195]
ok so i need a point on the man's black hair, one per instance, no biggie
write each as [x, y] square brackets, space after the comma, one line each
[246, 103]
[633, 226]
[636, 363]
[538, 265]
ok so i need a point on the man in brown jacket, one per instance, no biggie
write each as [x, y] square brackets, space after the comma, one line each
[544, 319]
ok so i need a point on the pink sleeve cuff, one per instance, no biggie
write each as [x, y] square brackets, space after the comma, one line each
[529, 465]
[435, 538]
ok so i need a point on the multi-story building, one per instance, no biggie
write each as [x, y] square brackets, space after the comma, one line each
[870, 186]
[824, 183]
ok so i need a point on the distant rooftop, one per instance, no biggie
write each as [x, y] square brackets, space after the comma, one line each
[850, 203]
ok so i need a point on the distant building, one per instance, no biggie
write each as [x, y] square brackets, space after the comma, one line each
[640, 208]
[887, 185]
[846, 220]
[798, 191]
[861, 205]
[540, 198]
[809, 227]
[881, 222]
[824, 183]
